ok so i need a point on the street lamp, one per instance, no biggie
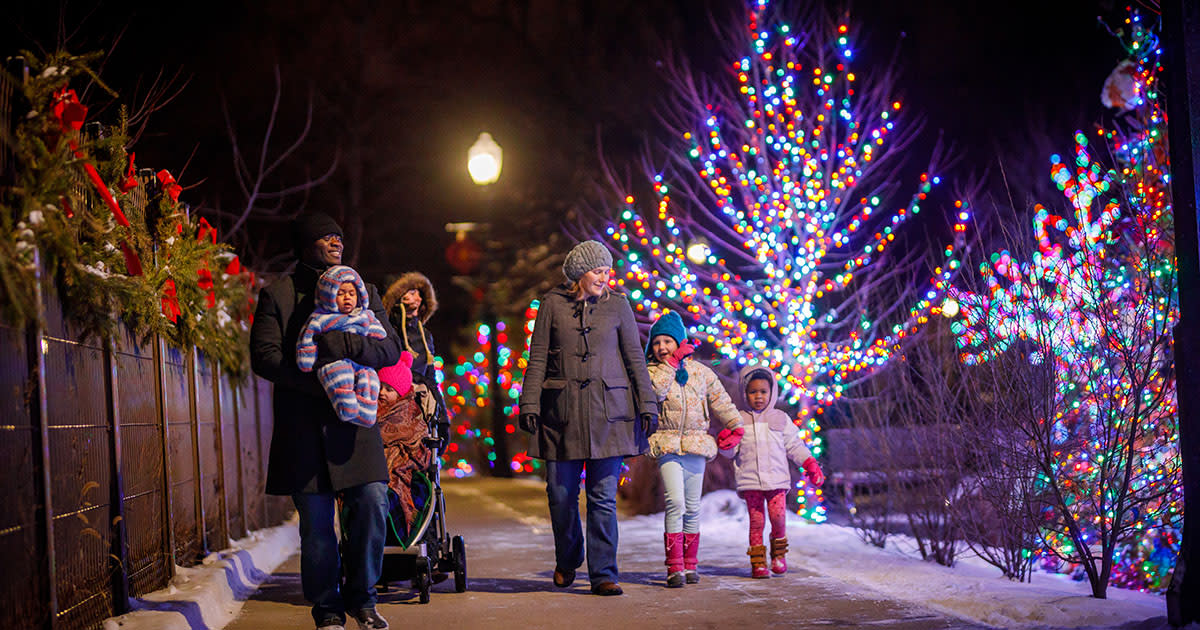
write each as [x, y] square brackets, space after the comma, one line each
[949, 307]
[484, 160]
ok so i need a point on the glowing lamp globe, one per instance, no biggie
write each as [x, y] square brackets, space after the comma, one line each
[950, 307]
[698, 252]
[484, 160]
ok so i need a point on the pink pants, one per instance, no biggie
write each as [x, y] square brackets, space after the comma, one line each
[776, 501]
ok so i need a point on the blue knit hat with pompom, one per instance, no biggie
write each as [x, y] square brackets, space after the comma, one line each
[669, 324]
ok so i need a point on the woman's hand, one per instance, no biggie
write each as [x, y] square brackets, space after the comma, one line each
[813, 471]
[529, 422]
[649, 423]
[729, 438]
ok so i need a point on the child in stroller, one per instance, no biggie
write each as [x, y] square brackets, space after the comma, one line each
[413, 429]
[404, 431]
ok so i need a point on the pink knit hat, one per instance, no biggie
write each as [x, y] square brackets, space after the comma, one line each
[399, 376]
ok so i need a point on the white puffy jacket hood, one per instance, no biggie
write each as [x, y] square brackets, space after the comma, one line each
[760, 460]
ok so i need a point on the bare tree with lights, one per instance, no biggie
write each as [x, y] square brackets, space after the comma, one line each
[1090, 302]
[775, 225]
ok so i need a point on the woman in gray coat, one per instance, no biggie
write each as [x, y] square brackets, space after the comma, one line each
[588, 402]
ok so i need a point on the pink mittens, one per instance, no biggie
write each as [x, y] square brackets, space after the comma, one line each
[813, 471]
[729, 438]
[684, 351]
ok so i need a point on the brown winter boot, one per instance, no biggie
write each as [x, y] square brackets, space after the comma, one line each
[758, 561]
[779, 555]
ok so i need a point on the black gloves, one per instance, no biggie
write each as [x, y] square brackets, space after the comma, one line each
[336, 345]
[649, 423]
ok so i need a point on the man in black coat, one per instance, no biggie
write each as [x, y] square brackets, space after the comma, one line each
[314, 455]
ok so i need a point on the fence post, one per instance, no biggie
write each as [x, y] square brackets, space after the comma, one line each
[160, 399]
[197, 469]
[41, 437]
[239, 395]
[219, 443]
[119, 541]
[261, 477]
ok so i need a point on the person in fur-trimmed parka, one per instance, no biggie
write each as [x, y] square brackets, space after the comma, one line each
[409, 303]
[687, 391]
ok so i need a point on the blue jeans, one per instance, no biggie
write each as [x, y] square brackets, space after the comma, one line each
[683, 479]
[320, 560]
[562, 487]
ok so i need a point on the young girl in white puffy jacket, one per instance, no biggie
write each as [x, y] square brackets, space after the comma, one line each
[687, 392]
[760, 466]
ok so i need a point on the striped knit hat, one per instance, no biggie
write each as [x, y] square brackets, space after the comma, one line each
[327, 288]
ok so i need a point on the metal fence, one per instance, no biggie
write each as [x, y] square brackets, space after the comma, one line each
[124, 459]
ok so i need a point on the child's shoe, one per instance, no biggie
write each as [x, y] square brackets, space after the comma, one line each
[779, 549]
[673, 545]
[758, 562]
[691, 547]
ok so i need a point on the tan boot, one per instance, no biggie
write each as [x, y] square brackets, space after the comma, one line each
[779, 549]
[758, 561]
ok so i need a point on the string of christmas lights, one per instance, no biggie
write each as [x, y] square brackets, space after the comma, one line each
[1098, 300]
[784, 219]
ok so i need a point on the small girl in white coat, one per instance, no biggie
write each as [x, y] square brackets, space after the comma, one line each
[760, 466]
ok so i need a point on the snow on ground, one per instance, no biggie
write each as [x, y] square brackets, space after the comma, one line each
[971, 590]
[211, 594]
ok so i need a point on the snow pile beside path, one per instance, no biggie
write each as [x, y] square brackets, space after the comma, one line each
[971, 590]
[211, 594]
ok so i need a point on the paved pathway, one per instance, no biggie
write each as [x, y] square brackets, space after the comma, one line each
[510, 560]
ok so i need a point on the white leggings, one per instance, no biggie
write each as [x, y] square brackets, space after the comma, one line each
[683, 479]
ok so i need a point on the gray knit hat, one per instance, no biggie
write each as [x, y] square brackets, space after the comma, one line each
[585, 257]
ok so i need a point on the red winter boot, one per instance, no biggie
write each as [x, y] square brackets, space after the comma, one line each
[779, 555]
[691, 546]
[673, 544]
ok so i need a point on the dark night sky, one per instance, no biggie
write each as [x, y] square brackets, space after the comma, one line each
[984, 73]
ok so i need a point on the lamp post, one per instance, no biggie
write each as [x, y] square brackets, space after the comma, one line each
[485, 158]
[1181, 45]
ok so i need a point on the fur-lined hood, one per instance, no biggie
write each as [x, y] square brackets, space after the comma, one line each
[412, 280]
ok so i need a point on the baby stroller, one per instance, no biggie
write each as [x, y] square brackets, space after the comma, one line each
[418, 547]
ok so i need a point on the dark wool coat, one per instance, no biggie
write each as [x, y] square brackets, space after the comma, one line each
[586, 379]
[311, 450]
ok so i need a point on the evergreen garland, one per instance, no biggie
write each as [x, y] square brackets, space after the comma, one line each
[164, 273]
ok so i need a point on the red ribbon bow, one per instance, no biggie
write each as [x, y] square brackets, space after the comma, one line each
[206, 284]
[170, 302]
[130, 181]
[206, 231]
[70, 114]
[169, 185]
[68, 110]
[234, 267]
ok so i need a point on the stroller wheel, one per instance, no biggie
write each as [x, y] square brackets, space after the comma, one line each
[459, 549]
[423, 579]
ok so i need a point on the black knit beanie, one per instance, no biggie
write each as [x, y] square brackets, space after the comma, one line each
[310, 227]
